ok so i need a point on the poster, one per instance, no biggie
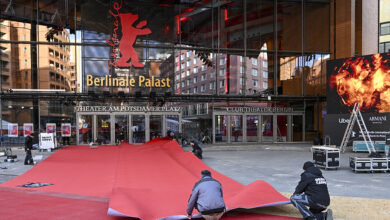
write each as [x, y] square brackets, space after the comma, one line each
[66, 129]
[28, 128]
[12, 130]
[51, 128]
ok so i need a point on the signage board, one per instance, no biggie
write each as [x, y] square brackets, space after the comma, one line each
[47, 141]
[258, 109]
[126, 109]
[378, 126]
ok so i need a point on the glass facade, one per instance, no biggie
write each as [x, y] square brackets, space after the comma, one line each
[196, 55]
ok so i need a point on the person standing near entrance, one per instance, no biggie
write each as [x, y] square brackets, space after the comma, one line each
[207, 198]
[28, 146]
[312, 191]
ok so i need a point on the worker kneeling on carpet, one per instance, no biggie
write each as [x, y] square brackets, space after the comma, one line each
[207, 198]
[312, 191]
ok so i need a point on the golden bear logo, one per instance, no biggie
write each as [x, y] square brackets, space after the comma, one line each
[129, 35]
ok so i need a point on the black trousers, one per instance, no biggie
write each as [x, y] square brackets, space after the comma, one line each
[29, 159]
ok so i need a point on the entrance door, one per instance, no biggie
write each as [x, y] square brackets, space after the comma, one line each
[236, 128]
[85, 127]
[103, 135]
[267, 128]
[282, 128]
[252, 122]
[138, 129]
[155, 126]
[121, 128]
[297, 127]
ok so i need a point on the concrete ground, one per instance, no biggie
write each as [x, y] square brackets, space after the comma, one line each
[354, 195]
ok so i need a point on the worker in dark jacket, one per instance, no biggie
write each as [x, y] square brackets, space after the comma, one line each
[312, 191]
[196, 149]
[207, 198]
[28, 146]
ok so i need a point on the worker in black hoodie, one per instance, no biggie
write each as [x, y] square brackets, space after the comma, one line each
[312, 191]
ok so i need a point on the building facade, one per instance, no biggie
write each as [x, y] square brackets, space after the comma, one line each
[263, 59]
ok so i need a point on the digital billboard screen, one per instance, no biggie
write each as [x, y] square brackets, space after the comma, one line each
[364, 80]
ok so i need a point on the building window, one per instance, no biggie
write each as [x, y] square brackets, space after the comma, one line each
[195, 79]
[241, 91]
[176, 59]
[265, 64]
[240, 58]
[188, 63]
[24, 37]
[183, 84]
[221, 83]
[25, 50]
[212, 85]
[25, 75]
[183, 65]
[182, 56]
[242, 80]
[255, 83]
[203, 67]
[203, 77]
[203, 88]
[385, 28]
[188, 54]
[25, 62]
[384, 47]
[222, 61]
[188, 72]
[242, 69]
[183, 74]
[195, 60]
[265, 85]
[254, 61]
[254, 72]
[195, 69]
[222, 72]
[188, 82]
[177, 77]
[265, 74]
[195, 89]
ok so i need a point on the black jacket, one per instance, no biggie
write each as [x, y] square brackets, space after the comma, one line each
[28, 144]
[314, 185]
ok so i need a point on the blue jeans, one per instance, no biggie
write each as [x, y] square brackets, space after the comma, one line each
[301, 201]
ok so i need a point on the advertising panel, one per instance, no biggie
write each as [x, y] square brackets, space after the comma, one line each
[28, 128]
[364, 80]
[377, 124]
[66, 129]
[51, 128]
[12, 130]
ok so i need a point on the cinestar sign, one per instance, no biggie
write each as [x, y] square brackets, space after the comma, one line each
[377, 125]
[126, 109]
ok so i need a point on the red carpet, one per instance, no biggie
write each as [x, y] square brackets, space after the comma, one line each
[150, 181]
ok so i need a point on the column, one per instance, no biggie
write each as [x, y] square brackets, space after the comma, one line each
[147, 127]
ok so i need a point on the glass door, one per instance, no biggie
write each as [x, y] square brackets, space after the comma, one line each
[297, 127]
[85, 129]
[121, 128]
[103, 128]
[155, 126]
[138, 128]
[252, 123]
[282, 128]
[220, 128]
[236, 128]
[267, 128]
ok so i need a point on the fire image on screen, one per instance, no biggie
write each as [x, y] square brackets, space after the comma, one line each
[364, 80]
